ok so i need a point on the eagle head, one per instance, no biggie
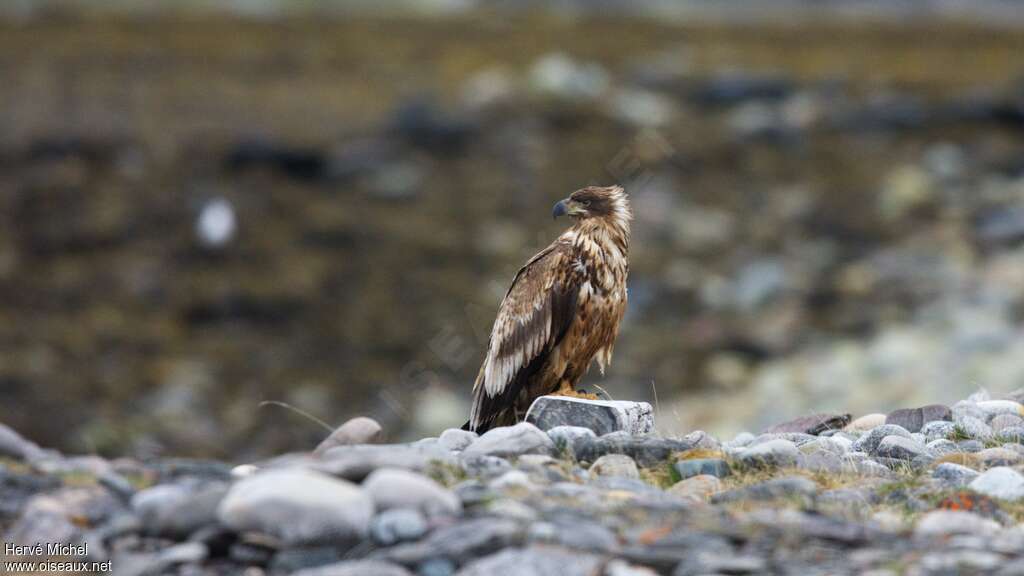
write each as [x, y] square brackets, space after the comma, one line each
[608, 202]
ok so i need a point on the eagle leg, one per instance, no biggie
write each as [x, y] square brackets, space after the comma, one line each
[565, 388]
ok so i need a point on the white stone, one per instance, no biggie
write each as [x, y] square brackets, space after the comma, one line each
[776, 452]
[506, 441]
[397, 488]
[615, 465]
[1000, 482]
[601, 416]
[946, 522]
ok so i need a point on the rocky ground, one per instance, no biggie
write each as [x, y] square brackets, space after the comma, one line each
[930, 490]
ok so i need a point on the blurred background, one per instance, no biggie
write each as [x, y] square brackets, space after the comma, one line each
[206, 205]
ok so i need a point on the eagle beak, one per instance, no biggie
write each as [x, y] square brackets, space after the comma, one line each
[568, 207]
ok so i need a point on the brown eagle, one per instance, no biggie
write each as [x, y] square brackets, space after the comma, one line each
[561, 312]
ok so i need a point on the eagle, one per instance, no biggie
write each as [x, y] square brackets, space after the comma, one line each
[562, 311]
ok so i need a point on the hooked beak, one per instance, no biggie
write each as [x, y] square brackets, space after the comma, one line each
[567, 207]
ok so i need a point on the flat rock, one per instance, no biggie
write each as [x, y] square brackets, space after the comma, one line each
[356, 568]
[645, 450]
[358, 430]
[773, 453]
[1000, 482]
[813, 424]
[357, 462]
[913, 419]
[601, 416]
[535, 561]
[298, 507]
[397, 488]
[615, 465]
[698, 488]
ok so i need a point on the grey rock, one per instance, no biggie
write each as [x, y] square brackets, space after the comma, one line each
[705, 562]
[645, 450]
[290, 560]
[813, 424]
[974, 428]
[1013, 434]
[837, 445]
[601, 416]
[436, 567]
[568, 437]
[457, 542]
[702, 466]
[357, 462]
[870, 440]
[970, 446]
[177, 510]
[397, 488]
[742, 440]
[356, 568]
[941, 447]
[913, 419]
[575, 532]
[938, 429]
[297, 507]
[623, 568]
[1000, 482]
[535, 561]
[615, 465]
[484, 466]
[954, 474]
[993, 408]
[942, 523]
[797, 438]
[697, 488]
[456, 439]
[358, 430]
[998, 456]
[15, 446]
[961, 562]
[1001, 422]
[772, 453]
[523, 438]
[784, 487]
[821, 462]
[397, 525]
[899, 447]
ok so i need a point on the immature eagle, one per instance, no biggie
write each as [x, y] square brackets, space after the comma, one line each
[561, 312]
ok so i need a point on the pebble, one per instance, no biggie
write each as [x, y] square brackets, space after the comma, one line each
[938, 429]
[899, 447]
[508, 441]
[535, 561]
[177, 510]
[355, 463]
[459, 542]
[1001, 422]
[702, 466]
[993, 408]
[601, 416]
[397, 488]
[974, 428]
[456, 439]
[356, 568]
[954, 473]
[397, 525]
[948, 522]
[615, 465]
[1014, 434]
[358, 430]
[941, 447]
[784, 487]
[698, 488]
[297, 507]
[773, 453]
[1000, 482]
[869, 442]
[999, 456]
[813, 424]
[866, 422]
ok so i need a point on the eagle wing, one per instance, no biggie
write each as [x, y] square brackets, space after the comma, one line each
[533, 318]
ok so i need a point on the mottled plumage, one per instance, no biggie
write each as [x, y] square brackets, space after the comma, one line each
[561, 312]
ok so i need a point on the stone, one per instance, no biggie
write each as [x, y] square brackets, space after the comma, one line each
[356, 430]
[397, 488]
[573, 531]
[297, 507]
[569, 437]
[974, 428]
[456, 439]
[998, 456]
[941, 447]
[783, 487]
[177, 510]
[773, 453]
[899, 447]
[457, 542]
[1000, 422]
[355, 463]
[1000, 482]
[742, 440]
[913, 419]
[615, 465]
[698, 488]
[993, 408]
[397, 525]
[938, 429]
[535, 561]
[15, 446]
[601, 416]
[707, 562]
[954, 474]
[821, 461]
[356, 568]
[508, 441]
[869, 442]
[942, 523]
[702, 466]
[484, 466]
[645, 450]
[813, 424]
[865, 423]
[1013, 434]
[623, 568]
